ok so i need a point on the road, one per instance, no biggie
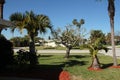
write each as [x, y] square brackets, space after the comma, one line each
[59, 52]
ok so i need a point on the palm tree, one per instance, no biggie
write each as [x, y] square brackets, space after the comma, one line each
[78, 25]
[33, 24]
[94, 47]
[111, 12]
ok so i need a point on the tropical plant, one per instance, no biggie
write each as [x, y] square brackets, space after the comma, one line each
[33, 24]
[78, 24]
[97, 34]
[94, 47]
[80, 29]
[97, 39]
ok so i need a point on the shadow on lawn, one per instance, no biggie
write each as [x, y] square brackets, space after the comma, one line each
[74, 62]
[79, 56]
[45, 72]
[104, 66]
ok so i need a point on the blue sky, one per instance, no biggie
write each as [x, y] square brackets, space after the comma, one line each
[62, 12]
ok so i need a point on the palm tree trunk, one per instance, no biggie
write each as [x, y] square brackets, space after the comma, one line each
[113, 43]
[32, 44]
[95, 62]
[33, 57]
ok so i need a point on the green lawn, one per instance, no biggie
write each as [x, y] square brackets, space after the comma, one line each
[77, 65]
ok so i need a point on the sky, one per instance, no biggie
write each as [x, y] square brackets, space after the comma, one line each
[62, 12]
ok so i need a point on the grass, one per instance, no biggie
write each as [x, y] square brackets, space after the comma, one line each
[77, 65]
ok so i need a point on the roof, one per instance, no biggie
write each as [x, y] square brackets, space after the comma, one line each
[6, 23]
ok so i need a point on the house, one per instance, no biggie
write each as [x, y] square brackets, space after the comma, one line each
[49, 43]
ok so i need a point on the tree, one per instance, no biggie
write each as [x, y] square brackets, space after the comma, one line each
[78, 25]
[94, 47]
[97, 34]
[111, 13]
[97, 38]
[68, 37]
[117, 38]
[33, 24]
[20, 41]
[108, 38]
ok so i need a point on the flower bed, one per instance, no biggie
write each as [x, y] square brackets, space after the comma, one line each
[64, 75]
[94, 69]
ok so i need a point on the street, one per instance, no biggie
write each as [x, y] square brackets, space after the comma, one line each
[73, 51]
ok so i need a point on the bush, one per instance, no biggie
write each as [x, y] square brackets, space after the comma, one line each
[6, 52]
[23, 57]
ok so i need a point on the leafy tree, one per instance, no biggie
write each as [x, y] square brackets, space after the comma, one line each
[117, 37]
[68, 37]
[33, 24]
[108, 38]
[20, 41]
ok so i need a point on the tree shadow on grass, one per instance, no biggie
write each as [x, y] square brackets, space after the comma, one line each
[46, 55]
[104, 66]
[79, 56]
[75, 62]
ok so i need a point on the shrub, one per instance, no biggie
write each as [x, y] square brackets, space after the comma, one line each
[6, 52]
[23, 57]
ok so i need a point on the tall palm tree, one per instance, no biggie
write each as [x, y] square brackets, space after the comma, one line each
[78, 25]
[111, 12]
[33, 23]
